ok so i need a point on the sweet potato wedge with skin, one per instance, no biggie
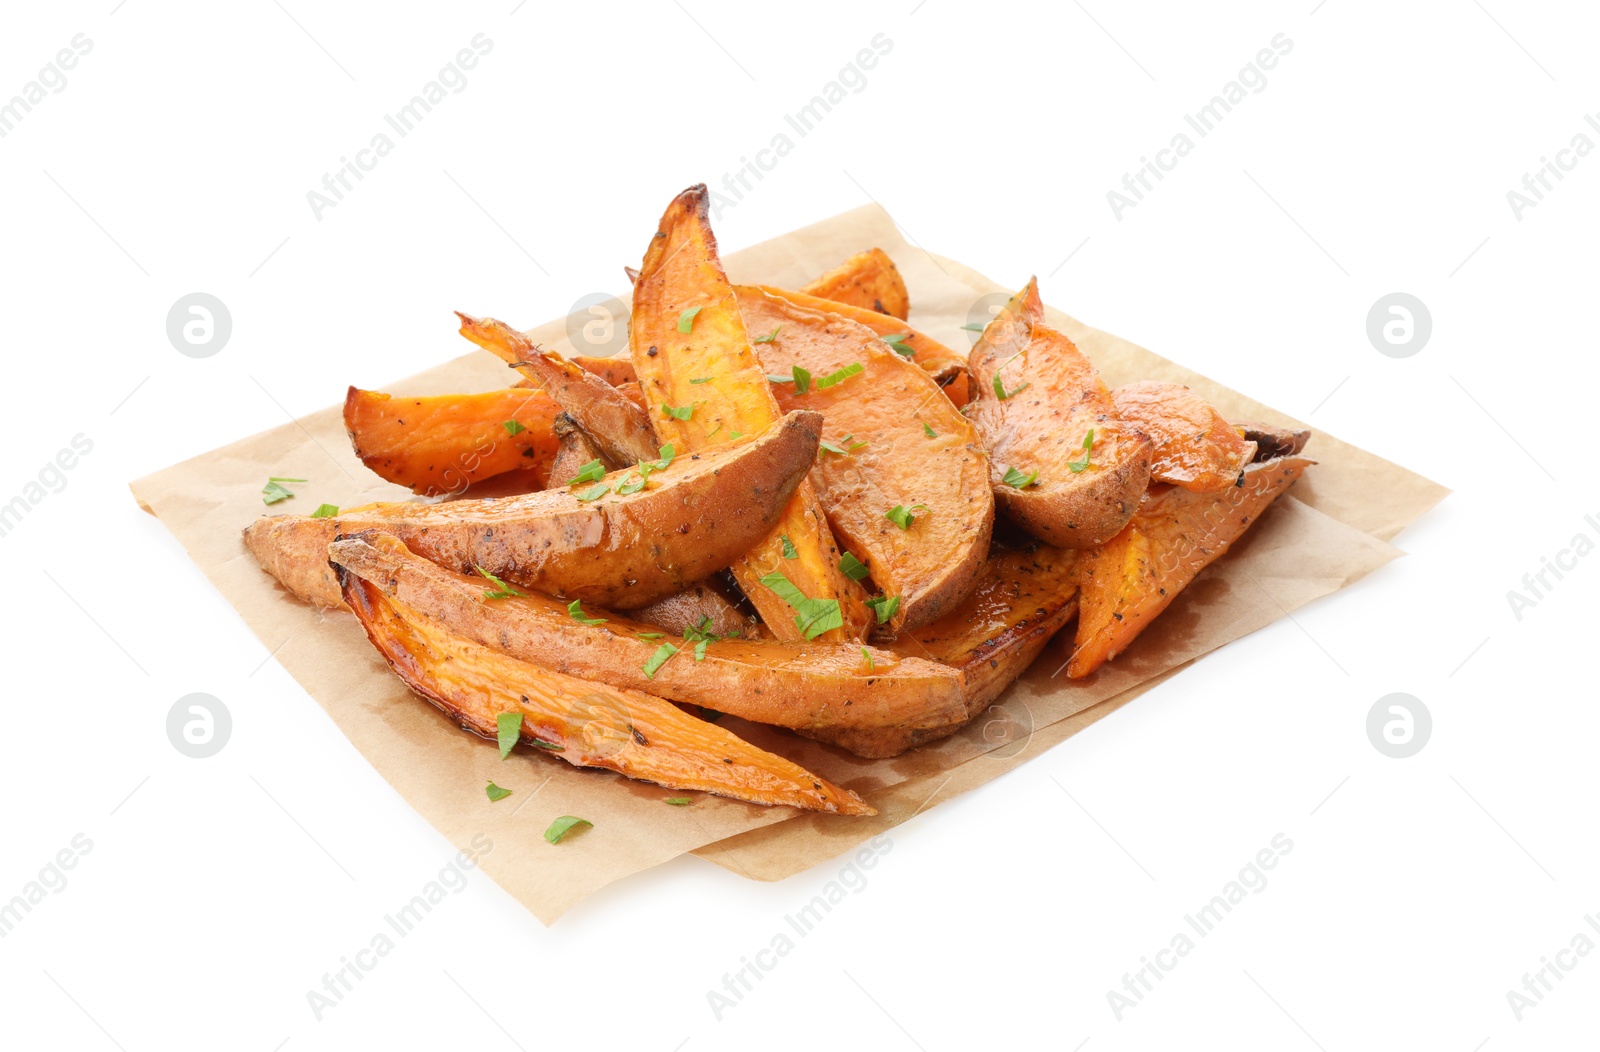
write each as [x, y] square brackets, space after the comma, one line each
[1054, 398]
[1194, 447]
[587, 724]
[932, 565]
[692, 519]
[1024, 595]
[869, 280]
[444, 443]
[614, 421]
[574, 450]
[681, 274]
[709, 606]
[801, 685]
[1176, 534]
[1273, 442]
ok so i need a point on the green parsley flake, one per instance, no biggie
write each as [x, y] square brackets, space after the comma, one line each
[930, 432]
[659, 658]
[868, 655]
[566, 823]
[575, 611]
[897, 343]
[273, 491]
[633, 483]
[686, 319]
[501, 590]
[1079, 464]
[680, 412]
[814, 616]
[769, 337]
[494, 792]
[901, 516]
[677, 801]
[651, 635]
[513, 428]
[839, 376]
[789, 551]
[885, 606]
[594, 493]
[325, 511]
[852, 567]
[1001, 392]
[975, 326]
[701, 380]
[1018, 479]
[593, 471]
[508, 728]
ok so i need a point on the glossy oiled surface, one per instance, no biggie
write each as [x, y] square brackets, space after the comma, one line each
[444, 443]
[682, 271]
[591, 724]
[799, 685]
[692, 519]
[1175, 535]
[1042, 428]
[931, 565]
[1194, 447]
[867, 279]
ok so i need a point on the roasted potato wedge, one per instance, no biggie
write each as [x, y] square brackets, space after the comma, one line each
[444, 443]
[799, 685]
[614, 421]
[1077, 472]
[869, 280]
[1194, 447]
[1025, 594]
[891, 440]
[585, 723]
[705, 385]
[1125, 583]
[687, 521]
[1273, 442]
[707, 606]
[574, 452]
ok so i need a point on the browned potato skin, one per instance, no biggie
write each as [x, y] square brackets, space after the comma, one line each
[1042, 427]
[1025, 595]
[1273, 442]
[574, 449]
[693, 519]
[867, 279]
[587, 724]
[799, 685]
[617, 424]
[931, 566]
[709, 603]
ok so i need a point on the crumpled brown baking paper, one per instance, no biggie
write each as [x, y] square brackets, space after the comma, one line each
[1330, 531]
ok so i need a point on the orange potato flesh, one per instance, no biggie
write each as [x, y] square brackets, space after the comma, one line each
[869, 280]
[682, 272]
[1194, 447]
[692, 519]
[932, 565]
[1055, 397]
[614, 421]
[1176, 534]
[444, 443]
[588, 724]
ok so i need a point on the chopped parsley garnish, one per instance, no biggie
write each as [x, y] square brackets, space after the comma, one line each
[633, 483]
[1077, 464]
[701, 380]
[501, 590]
[679, 412]
[593, 471]
[839, 376]
[513, 428]
[659, 658]
[565, 824]
[814, 616]
[846, 445]
[885, 606]
[1001, 392]
[852, 567]
[769, 337]
[930, 432]
[975, 326]
[901, 515]
[789, 551]
[494, 792]
[897, 343]
[273, 491]
[677, 801]
[575, 611]
[868, 655]
[594, 493]
[686, 319]
[1018, 479]
[325, 511]
[651, 635]
[508, 728]
[668, 452]
[736, 435]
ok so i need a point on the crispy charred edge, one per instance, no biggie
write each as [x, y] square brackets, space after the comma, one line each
[1273, 443]
[363, 599]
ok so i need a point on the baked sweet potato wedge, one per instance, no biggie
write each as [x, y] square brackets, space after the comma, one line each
[1194, 447]
[613, 420]
[867, 279]
[1273, 442]
[585, 723]
[1064, 468]
[575, 451]
[891, 441]
[1025, 594]
[1125, 583]
[705, 386]
[708, 606]
[444, 443]
[621, 547]
[799, 685]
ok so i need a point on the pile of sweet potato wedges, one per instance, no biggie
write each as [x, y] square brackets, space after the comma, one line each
[782, 505]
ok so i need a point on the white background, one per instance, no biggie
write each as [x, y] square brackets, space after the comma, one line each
[1377, 159]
